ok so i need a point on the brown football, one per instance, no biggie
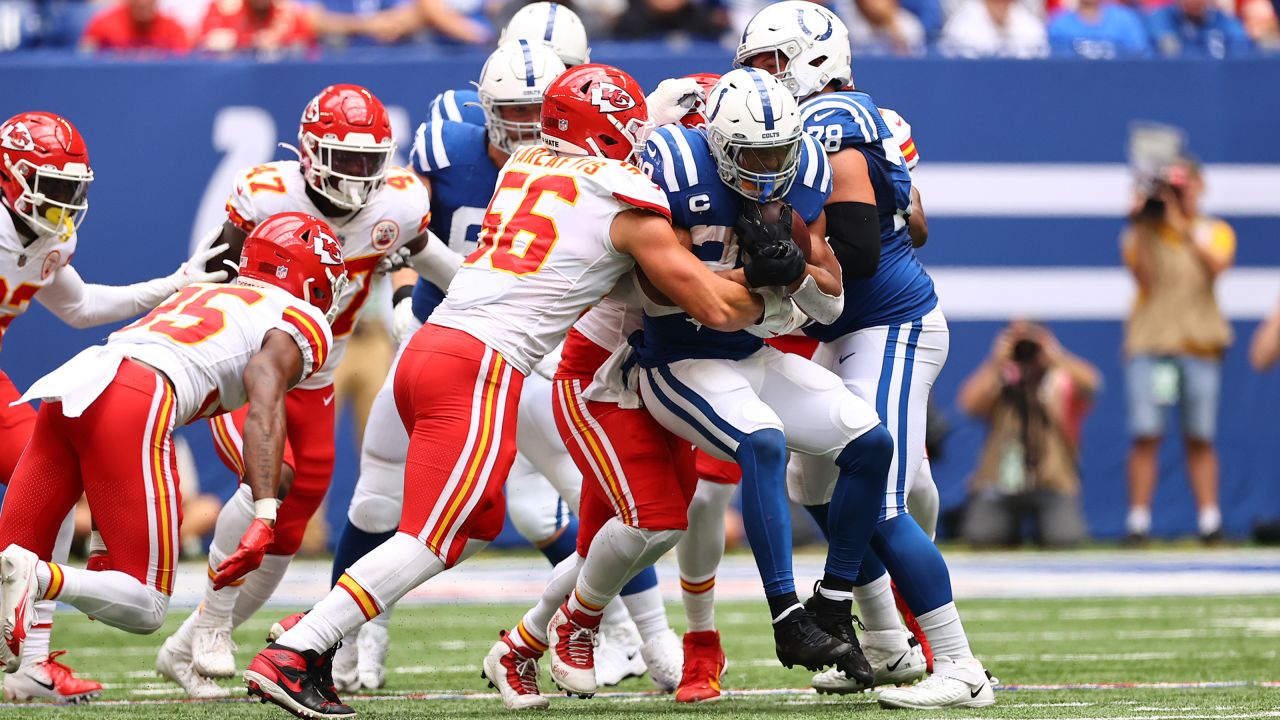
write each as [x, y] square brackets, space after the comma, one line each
[770, 212]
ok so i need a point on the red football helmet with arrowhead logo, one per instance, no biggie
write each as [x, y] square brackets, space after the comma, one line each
[694, 118]
[44, 172]
[345, 145]
[595, 110]
[299, 253]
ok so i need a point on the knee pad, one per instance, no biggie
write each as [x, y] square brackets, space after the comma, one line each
[761, 447]
[646, 545]
[873, 446]
[151, 619]
[375, 514]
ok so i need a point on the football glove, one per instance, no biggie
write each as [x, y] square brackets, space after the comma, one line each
[769, 256]
[248, 555]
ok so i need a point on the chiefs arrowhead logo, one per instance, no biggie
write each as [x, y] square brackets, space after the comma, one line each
[326, 247]
[312, 113]
[611, 98]
[16, 136]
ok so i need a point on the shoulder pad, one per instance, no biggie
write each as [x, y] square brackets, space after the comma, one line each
[844, 119]
[459, 106]
[438, 145]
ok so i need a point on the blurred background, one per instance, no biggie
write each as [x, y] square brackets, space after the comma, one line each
[1067, 147]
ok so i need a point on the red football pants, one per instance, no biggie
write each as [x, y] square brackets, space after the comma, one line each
[118, 453]
[458, 399]
[308, 449]
[16, 426]
[632, 467]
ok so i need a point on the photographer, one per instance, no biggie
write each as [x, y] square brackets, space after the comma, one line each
[1033, 395]
[1175, 338]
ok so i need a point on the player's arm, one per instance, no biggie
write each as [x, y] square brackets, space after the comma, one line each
[82, 305]
[853, 222]
[229, 259]
[269, 374]
[917, 224]
[711, 300]
[820, 292]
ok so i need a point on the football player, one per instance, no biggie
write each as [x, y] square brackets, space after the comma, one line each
[735, 398]
[343, 174]
[888, 344]
[44, 183]
[105, 428]
[459, 379]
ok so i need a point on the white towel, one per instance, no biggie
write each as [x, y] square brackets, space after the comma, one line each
[78, 382]
[612, 385]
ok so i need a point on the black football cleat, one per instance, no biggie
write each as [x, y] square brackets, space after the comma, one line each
[294, 681]
[801, 642]
[836, 619]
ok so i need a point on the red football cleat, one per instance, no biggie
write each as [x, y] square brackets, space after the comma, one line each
[50, 680]
[293, 680]
[704, 665]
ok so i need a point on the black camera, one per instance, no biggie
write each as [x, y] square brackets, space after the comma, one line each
[1026, 351]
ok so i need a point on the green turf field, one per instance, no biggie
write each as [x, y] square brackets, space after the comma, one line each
[1217, 655]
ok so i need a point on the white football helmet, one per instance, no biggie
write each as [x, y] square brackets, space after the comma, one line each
[753, 126]
[813, 40]
[551, 24]
[516, 75]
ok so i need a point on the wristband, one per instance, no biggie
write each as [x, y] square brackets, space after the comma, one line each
[265, 509]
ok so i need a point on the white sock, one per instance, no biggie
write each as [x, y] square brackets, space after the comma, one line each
[233, 520]
[531, 631]
[36, 648]
[1139, 520]
[617, 553]
[258, 587]
[376, 580]
[648, 612]
[1210, 520]
[182, 636]
[945, 633]
[876, 608]
[699, 553]
[114, 598]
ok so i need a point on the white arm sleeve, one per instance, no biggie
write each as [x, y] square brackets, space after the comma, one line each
[436, 262]
[81, 305]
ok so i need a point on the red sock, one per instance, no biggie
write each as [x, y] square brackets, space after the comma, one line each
[913, 625]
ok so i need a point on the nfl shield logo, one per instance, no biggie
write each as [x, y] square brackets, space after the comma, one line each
[282, 272]
[564, 124]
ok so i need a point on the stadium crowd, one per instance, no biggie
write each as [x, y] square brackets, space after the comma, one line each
[1094, 29]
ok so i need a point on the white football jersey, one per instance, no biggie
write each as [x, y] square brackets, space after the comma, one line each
[901, 130]
[545, 254]
[610, 323]
[396, 214]
[24, 270]
[203, 336]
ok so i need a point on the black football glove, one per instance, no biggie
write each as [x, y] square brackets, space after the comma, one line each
[769, 256]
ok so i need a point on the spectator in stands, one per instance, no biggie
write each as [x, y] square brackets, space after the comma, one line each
[135, 25]
[882, 27]
[698, 19]
[344, 22]
[1175, 338]
[1260, 24]
[262, 25]
[994, 28]
[1099, 30]
[1033, 396]
[1197, 28]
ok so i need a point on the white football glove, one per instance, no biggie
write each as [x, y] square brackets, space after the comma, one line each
[193, 270]
[403, 322]
[397, 259]
[673, 99]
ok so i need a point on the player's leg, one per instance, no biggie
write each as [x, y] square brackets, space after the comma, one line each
[459, 397]
[922, 499]
[17, 423]
[647, 475]
[699, 554]
[1201, 385]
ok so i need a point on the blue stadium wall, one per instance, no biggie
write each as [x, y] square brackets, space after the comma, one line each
[1022, 172]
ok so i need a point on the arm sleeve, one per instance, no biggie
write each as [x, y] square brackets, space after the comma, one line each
[853, 229]
[436, 262]
[82, 305]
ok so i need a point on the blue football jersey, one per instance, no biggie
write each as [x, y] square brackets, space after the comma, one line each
[458, 106]
[679, 161]
[901, 290]
[454, 157]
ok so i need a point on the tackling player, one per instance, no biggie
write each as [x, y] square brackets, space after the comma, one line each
[888, 344]
[343, 175]
[567, 220]
[105, 428]
[44, 183]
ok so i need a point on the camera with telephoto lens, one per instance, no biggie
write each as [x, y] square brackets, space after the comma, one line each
[1157, 153]
[1026, 351]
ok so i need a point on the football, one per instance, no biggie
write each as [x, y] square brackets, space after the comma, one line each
[772, 211]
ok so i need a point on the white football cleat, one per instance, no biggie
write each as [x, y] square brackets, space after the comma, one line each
[17, 602]
[372, 648]
[173, 665]
[895, 655]
[49, 680]
[664, 656]
[618, 651]
[346, 665]
[213, 653]
[573, 644]
[953, 684]
[514, 674]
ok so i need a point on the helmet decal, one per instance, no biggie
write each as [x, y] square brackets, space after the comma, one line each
[610, 98]
[16, 136]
